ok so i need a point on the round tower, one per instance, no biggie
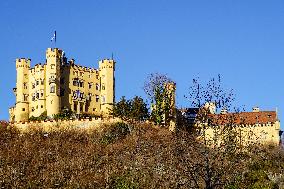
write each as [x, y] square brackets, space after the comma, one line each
[107, 83]
[52, 79]
[22, 91]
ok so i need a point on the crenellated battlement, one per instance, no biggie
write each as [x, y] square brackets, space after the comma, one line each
[23, 63]
[84, 68]
[54, 50]
[107, 63]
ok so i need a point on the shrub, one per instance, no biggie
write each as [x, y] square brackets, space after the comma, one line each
[115, 132]
[122, 182]
[42, 117]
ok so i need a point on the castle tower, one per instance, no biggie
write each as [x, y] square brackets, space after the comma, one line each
[170, 117]
[53, 62]
[107, 83]
[22, 90]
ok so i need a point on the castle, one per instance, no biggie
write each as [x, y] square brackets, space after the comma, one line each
[251, 127]
[60, 84]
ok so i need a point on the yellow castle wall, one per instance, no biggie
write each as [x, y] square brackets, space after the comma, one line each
[249, 134]
[50, 87]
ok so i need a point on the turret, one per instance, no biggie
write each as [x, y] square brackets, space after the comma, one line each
[21, 90]
[53, 62]
[107, 83]
[170, 115]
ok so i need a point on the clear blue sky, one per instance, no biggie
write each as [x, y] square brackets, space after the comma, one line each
[242, 40]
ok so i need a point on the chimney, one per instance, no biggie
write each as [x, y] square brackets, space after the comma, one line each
[255, 109]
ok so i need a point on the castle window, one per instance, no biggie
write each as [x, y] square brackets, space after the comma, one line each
[42, 82]
[25, 86]
[75, 82]
[97, 98]
[33, 109]
[75, 106]
[94, 109]
[97, 87]
[37, 107]
[97, 76]
[25, 97]
[37, 95]
[103, 98]
[41, 106]
[52, 89]
[33, 98]
[81, 84]
[37, 83]
[89, 97]
[33, 85]
[52, 66]
[23, 109]
[90, 85]
[81, 73]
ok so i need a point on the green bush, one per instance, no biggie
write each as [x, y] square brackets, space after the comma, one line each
[42, 117]
[115, 132]
[122, 182]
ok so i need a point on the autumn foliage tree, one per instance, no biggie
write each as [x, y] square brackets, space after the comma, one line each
[160, 98]
[216, 152]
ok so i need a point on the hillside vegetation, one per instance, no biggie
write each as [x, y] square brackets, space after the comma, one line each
[128, 156]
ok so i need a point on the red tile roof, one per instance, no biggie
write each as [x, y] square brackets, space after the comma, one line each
[261, 117]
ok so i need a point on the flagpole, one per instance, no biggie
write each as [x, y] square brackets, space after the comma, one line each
[54, 39]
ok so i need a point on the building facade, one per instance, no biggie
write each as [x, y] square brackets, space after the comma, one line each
[61, 84]
[255, 127]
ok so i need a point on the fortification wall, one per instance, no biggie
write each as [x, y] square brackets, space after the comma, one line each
[48, 126]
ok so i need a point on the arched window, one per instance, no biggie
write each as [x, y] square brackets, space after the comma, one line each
[52, 89]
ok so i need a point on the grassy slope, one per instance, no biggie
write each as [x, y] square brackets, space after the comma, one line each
[146, 157]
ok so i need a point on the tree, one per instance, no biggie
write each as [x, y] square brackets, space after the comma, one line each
[131, 110]
[217, 155]
[121, 109]
[160, 97]
[138, 109]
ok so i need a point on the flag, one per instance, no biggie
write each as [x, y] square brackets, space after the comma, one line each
[54, 37]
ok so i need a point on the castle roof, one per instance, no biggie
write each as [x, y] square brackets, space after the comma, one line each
[247, 118]
[241, 118]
